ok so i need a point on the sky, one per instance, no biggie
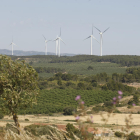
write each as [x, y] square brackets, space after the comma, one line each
[26, 20]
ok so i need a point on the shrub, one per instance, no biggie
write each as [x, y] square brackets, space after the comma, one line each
[116, 111]
[97, 108]
[81, 85]
[26, 119]
[1, 116]
[90, 68]
[132, 136]
[38, 130]
[72, 130]
[119, 134]
[59, 82]
[70, 84]
[129, 106]
[89, 88]
[68, 110]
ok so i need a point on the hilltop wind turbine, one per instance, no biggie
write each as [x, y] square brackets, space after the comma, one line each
[91, 36]
[59, 39]
[13, 44]
[46, 41]
[101, 37]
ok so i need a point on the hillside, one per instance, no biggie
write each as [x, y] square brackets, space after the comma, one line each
[82, 64]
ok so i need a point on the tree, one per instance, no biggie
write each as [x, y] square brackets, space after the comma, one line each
[18, 86]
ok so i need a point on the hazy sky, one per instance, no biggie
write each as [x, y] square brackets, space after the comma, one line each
[27, 20]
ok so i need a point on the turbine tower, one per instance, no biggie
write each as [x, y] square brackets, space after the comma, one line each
[101, 37]
[46, 41]
[12, 44]
[56, 44]
[91, 36]
[59, 39]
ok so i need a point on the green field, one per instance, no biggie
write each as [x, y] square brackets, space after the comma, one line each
[81, 68]
[55, 100]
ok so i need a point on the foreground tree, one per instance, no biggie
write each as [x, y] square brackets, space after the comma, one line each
[18, 86]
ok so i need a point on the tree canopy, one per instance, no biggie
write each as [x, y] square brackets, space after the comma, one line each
[18, 86]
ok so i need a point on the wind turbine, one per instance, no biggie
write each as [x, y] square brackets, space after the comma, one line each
[46, 41]
[101, 37]
[13, 44]
[59, 39]
[56, 44]
[91, 36]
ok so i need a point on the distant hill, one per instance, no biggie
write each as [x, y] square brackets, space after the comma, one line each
[28, 53]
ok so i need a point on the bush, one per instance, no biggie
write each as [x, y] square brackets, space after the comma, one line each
[72, 130]
[59, 82]
[90, 68]
[81, 85]
[129, 106]
[38, 130]
[68, 110]
[94, 84]
[132, 136]
[119, 134]
[116, 111]
[97, 108]
[70, 84]
[26, 119]
[1, 116]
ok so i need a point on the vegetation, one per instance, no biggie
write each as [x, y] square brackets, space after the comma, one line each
[72, 130]
[48, 70]
[55, 100]
[68, 110]
[124, 60]
[18, 86]
[96, 79]
[1, 115]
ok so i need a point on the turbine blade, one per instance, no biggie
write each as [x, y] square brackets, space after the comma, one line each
[14, 44]
[48, 40]
[62, 41]
[106, 30]
[55, 39]
[97, 29]
[44, 37]
[60, 31]
[95, 39]
[92, 29]
[87, 37]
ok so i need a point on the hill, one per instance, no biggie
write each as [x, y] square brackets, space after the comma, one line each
[28, 53]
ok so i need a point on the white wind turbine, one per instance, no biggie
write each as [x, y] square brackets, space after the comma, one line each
[101, 37]
[46, 41]
[12, 44]
[56, 44]
[59, 39]
[91, 36]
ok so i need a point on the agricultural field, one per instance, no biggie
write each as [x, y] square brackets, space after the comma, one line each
[56, 100]
[81, 68]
